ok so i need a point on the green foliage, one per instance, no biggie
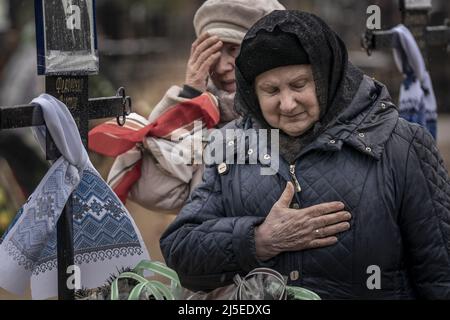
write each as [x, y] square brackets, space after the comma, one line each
[296, 293]
[132, 285]
[149, 289]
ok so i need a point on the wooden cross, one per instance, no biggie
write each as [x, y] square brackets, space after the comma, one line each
[67, 55]
[415, 16]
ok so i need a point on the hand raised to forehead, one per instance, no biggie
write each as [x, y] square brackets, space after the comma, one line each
[205, 52]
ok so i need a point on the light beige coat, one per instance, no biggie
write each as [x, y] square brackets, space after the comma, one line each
[164, 186]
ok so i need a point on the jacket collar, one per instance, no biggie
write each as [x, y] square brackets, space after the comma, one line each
[365, 125]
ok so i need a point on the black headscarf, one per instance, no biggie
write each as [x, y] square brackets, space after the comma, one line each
[336, 79]
[270, 50]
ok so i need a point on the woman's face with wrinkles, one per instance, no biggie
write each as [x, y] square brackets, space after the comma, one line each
[288, 100]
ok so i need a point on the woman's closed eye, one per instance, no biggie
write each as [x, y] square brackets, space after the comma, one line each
[234, 51]
[298, 85]
[269, 89]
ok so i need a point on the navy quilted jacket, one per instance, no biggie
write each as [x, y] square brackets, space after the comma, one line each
[387, 172]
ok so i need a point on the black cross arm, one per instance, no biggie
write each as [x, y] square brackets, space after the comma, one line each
[434, 35]
[372, 40]
[22, 115]
[438, 35]
[108, 107]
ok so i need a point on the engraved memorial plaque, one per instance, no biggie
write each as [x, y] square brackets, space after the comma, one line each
[66, 37]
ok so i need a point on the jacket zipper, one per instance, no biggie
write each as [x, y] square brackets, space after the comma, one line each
[295, 262]
[298, 188]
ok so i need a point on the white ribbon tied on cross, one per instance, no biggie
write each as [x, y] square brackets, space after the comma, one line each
[106, 238]
[413, 97]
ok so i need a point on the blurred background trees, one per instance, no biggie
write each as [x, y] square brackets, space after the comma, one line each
[143, 42]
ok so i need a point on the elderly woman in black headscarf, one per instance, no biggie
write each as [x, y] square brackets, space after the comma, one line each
[360, 206]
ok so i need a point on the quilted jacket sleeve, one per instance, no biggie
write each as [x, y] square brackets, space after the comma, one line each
[425, 218]
[206, 247]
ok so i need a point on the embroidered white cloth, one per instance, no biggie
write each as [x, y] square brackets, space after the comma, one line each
[106, 238]
[416, 92]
